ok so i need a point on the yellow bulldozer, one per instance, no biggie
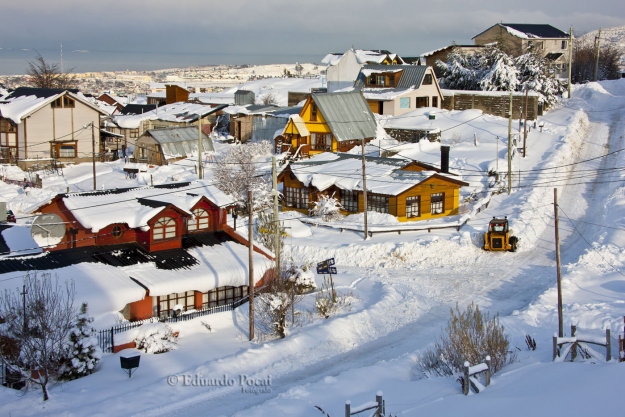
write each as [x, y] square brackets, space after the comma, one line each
[499, 236]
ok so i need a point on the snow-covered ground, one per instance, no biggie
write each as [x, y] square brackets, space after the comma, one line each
[401, 288]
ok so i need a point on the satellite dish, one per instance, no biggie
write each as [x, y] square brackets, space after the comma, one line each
[48, 229]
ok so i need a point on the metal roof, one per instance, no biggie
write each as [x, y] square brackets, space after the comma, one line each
[39, 92]
[347, 114]
[532, 30]
[412, 75]
[181, 134]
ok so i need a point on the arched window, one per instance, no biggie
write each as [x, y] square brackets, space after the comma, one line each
[164, 228]
[200, 221]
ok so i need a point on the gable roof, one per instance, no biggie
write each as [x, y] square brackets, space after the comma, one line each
[529, 30]
[412, 75]
[363, 56]
[181, 134]
[348, 115]
[24, 101]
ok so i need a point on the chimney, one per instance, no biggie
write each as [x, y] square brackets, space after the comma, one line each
[444, 159]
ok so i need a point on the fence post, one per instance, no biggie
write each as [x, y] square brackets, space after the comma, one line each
[378, 399]
[574, 347]
[112, 343]
[608, 346]
[465, 385]
[348, 408]
[555, 346]
[487, 370]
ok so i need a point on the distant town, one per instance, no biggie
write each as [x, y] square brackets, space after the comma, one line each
[197, 79]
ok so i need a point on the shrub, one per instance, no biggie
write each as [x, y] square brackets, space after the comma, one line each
[471, 335]
[327, 303]
[156, 338]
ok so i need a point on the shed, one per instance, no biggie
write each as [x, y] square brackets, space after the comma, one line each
[243, 97]
[161, 146]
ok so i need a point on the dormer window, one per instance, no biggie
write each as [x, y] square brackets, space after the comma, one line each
[68, 102]
[427, 80]
[57, 104]
[164, 228]
[200, 221]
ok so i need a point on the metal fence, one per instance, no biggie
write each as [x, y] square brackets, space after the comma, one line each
[106, 338]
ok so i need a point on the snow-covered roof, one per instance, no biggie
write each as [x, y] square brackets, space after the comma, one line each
[181, 112]
[384, 175]
[227, 266]
[134, 206]
[363, 57]
[18, 241]
[530, 31]
[25, 101]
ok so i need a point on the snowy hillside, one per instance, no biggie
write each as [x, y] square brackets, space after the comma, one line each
[401, 287]
[614, 36]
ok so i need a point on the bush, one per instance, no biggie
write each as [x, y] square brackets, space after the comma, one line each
[327, 303]
[156, 338]
[470, 336]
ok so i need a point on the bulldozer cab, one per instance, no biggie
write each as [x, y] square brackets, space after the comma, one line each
[498, 226]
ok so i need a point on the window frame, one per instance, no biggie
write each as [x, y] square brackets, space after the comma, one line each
[437, 203]
[413, 206]
[201, 217]
[349, 200]
[164, 228]
[420, 100]
[313, 111]
[428, 79]
[377, 203]
[296, 197]
[404, 102]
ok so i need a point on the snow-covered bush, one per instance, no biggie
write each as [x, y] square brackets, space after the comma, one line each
[273, 310]
[83, 350]
[327, 207]
[302, 277]
[156, 338]
[327, 302]
[470, 336]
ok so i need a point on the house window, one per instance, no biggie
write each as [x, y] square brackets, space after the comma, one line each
[166, 303]
[313, 112]
[349, 200]
[437, 203]
[117, 232]
[223, 295]
[143, 154]
[427, 80]
[391, 80]
[164, 228]
[372, 79]
[200, 221]
[381, 80]
[67, 151]
[57, 104]
[404, 103]
[423, 102]
[296, 197]
[563, 45]
[320, 142]
[7, 126]
[68, 102]
[412, 206]
[377, 203]
[434, 101]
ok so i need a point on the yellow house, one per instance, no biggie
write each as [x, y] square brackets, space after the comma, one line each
[406, 189]
[328, 122]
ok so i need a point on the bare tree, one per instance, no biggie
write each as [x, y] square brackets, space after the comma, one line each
[36, 323]
[236, 172]
[43, 74]
[585, 59]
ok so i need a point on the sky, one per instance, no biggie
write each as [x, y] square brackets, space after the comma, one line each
[140, 34]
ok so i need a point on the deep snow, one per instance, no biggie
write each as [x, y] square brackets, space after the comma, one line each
[401, 288]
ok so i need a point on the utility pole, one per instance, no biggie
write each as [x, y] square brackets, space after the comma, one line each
[525, 123]
[570, 57]
[510, 147]
[93, 154]
[598, 39]
[250, 238]
[200, 147]
[24, 292]
[559, 277]
[276, 223]
[364, 189]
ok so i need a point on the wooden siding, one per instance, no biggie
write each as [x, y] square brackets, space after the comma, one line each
[495, 104]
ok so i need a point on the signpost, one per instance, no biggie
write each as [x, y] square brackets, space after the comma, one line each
[326, 267]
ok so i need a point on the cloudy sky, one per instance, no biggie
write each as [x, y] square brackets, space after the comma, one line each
[265, 31]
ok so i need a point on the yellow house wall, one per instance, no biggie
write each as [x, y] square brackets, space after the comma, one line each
[293, 183]
[424, 190]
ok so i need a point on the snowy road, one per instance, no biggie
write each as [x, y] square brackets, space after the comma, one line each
[421, 290]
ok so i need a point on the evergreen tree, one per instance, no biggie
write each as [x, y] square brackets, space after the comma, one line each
[534, 75]
[501, 74]
[83, 350]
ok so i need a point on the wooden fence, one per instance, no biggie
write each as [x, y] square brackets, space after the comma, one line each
[562, 346]
[378, 405]
[469, 378]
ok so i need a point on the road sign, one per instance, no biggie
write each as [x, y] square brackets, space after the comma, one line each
[325, 264]
[327, 270]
